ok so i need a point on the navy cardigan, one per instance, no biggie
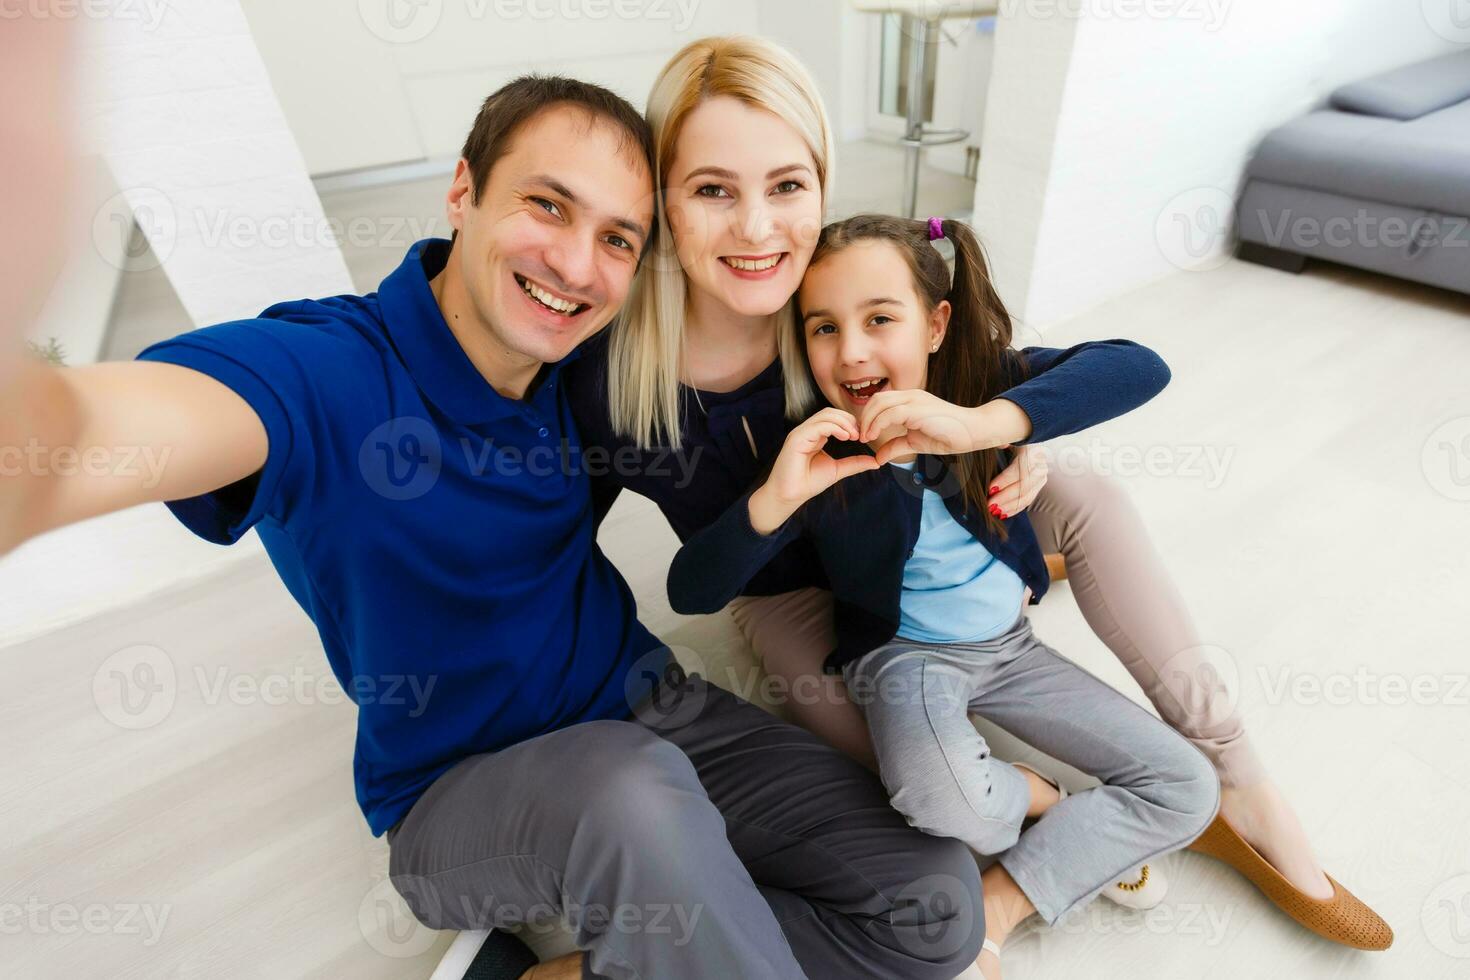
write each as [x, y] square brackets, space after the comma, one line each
[864, 528]
[718, 463]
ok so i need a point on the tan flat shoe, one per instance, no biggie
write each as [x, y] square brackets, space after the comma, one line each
[1343, 918]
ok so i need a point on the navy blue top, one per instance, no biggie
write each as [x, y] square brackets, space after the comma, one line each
[865, 527]
[438, 534]
[717, 464]
[714, 466]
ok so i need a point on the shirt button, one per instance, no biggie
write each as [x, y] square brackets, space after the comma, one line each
[543, 432]
[918, 479]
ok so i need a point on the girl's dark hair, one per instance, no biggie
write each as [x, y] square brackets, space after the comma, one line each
[970, 366]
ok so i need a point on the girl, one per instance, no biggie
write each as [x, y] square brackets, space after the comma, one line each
[701, 363]
[930, 582]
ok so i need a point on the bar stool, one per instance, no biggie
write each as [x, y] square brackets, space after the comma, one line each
[921, 20]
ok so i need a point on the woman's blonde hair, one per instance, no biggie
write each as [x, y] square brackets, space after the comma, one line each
[645, 351]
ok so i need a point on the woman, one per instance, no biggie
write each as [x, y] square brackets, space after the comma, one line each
[704, 362]
[929, 591]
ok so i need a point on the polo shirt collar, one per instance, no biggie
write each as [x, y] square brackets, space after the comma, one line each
[439, 366]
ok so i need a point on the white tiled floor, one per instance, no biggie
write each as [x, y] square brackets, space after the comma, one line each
[1331, 542]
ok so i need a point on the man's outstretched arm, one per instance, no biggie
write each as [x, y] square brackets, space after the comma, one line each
[78, 442]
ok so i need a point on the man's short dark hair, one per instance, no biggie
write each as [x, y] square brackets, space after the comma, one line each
[516, 102]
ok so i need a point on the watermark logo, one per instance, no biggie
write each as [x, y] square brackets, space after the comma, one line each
[145, 464]
[388, 925]
[149, 12]
[938, 913]
[153, 213]
[1210, 14]
[1445, 459]
[135, 688]
[408, 21]
[401, 458]
[1204, 681]
[138, 687]
[223, 225]
[400, 21]
[1364, 686]
[680, 13]
[1450, 19]
[1208, 923]
[1206, 464]
[1362, 229]
[663, 693]
[95, 919]
[1445, 917]
[1194, 228]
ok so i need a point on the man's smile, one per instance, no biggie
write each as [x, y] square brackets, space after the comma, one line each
[548, 299]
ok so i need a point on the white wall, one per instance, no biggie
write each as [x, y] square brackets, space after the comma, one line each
[830, 38]
[361, 90]
[961, 83]
[1027, 87]
[1149, 117]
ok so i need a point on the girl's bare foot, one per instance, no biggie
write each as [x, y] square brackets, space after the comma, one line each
[1262, 816]
[1044, 795]
[989, 965]
[1005, 906]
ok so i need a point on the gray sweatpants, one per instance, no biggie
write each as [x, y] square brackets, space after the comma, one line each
[703, 838]
[1158, 791]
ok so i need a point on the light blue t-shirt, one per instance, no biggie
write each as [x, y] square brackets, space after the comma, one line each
[954, 589]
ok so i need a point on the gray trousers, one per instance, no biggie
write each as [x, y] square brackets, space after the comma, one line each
[1158, 791]
[703, 838]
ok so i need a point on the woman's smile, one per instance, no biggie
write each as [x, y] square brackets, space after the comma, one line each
[766, 266]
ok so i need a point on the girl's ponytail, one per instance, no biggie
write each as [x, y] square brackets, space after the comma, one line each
[972, 292]
[970, 367]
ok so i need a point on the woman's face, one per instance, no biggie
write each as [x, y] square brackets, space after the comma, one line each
[866, 328]
[743, 204]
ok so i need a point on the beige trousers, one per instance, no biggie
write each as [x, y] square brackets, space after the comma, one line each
[1122, 587]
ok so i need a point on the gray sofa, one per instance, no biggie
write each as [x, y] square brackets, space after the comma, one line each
[1379, 180]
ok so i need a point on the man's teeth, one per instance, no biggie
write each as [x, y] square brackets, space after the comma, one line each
[863, 385]
[547, 299]
[753, 265]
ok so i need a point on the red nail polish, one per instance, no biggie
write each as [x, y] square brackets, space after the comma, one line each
[995, 509]
[994, 491]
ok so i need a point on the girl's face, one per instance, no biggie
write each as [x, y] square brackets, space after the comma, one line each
[743, 204]
[866, 328]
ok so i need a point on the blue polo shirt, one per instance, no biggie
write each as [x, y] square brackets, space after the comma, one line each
[438, 534]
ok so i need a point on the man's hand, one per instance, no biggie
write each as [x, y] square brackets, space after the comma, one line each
[35, 170]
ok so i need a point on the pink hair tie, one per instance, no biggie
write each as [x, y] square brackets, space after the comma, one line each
[936, 228]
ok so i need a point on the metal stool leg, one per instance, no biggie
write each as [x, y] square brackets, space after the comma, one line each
[918, 32]
[916, 137]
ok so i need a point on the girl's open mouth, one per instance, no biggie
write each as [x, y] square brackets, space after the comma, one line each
[859, 391]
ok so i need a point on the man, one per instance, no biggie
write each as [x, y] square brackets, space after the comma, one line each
[408, 460]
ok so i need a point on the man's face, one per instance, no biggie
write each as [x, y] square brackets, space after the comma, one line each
[549, 249]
